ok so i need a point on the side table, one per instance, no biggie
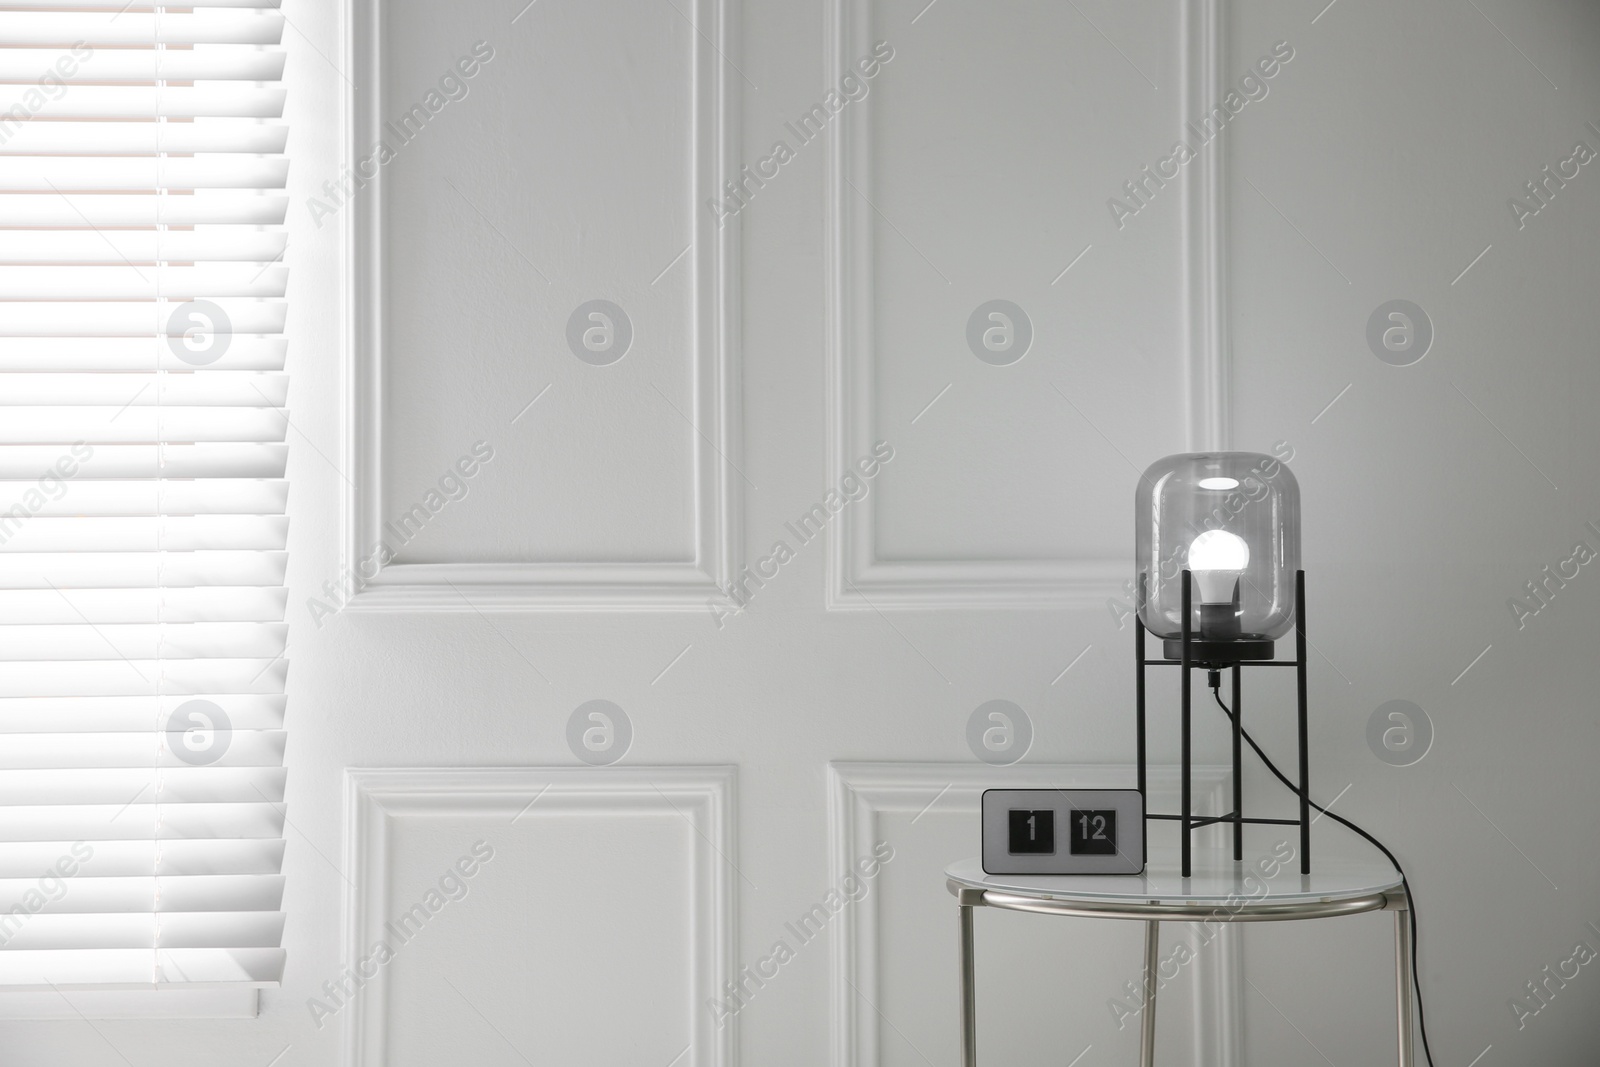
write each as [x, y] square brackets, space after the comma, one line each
[1220, 890]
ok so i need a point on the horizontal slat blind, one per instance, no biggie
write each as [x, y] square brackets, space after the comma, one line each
[142, 493]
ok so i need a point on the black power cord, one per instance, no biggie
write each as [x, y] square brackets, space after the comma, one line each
[1416, 981]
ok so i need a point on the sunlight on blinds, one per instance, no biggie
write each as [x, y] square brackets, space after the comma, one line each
[142, 493]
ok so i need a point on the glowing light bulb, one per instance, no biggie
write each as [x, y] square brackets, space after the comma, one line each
[1218, 558]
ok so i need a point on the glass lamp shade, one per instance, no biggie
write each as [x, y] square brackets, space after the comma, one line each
[1233, 520]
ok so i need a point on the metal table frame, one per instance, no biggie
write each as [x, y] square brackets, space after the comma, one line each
[1151, 914]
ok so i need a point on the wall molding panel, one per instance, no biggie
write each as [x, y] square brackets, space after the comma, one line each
[713, 260]
[858, 793]
[856, 579]
[377, 801]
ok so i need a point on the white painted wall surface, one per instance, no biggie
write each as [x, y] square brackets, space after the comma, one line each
[829, 314]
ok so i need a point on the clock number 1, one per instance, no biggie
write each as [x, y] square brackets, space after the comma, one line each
[1032, 832]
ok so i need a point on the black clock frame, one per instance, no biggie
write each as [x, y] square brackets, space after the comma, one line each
[1215, 656]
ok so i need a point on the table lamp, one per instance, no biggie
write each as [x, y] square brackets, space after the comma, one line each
[1218, 580]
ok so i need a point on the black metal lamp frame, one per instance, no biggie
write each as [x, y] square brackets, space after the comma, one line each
[1189, 661]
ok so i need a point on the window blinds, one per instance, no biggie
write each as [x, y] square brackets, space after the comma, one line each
[142, 492]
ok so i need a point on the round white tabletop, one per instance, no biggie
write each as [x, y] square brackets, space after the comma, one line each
[1262, 885]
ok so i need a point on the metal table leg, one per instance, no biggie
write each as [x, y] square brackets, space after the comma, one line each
[969, 992]
[1147, 1032]
[1402, 979]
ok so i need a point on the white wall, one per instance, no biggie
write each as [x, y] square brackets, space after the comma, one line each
[824, 317]
[1394, 143]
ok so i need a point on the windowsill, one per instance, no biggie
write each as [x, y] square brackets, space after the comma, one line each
[214, 1002]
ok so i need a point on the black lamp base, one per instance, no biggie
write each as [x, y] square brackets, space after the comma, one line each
[1211, 650]
[1201, 652]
